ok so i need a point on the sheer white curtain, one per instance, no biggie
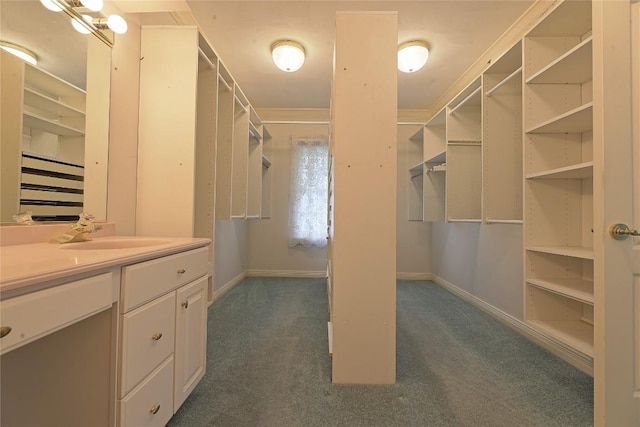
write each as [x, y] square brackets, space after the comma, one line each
[308, 192]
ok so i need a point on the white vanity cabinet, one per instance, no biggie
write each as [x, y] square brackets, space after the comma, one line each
[162, 336]
[56, 366]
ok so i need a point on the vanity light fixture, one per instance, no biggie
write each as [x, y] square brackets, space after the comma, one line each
[93, 5]
[115, 23]
[53, 5]
[288, 55]
[412, 55]
[81, 27]
[19, 51]
[87, 24]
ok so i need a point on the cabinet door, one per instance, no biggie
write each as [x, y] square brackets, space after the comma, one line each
[191, 338]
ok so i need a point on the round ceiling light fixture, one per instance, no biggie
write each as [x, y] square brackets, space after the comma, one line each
[288, 55]
[412, 55]
[19, 51]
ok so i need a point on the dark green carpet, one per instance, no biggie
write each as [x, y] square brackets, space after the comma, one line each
[456, 366]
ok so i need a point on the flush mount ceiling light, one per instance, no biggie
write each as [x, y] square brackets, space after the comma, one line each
[19, 51]
[287, 55]
[412, 56]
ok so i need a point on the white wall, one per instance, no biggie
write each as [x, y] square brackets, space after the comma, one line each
[269, 250]
[484, 260]
[268, 247]
[231, 241]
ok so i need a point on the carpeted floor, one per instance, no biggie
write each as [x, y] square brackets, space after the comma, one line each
[268, 365]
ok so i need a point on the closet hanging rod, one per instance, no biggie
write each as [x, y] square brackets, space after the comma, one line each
[224, 82]
[504, 81]
[255, 134]
[464, 101]
[244, 108]
[504, 221]
[466, 143]
[464, 220]
[206, 58]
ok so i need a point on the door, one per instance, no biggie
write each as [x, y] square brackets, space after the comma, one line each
[616, 201]
[191, 338]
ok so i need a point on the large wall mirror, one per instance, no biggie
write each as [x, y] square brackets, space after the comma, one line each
[55, 116]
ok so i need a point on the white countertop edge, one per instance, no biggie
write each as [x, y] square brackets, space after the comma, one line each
[20, 284]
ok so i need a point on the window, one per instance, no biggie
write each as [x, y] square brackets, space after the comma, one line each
[308, 192]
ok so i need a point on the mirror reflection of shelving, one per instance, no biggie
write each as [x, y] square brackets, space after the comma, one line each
[43, 143]
[464, 155]
[558, 123]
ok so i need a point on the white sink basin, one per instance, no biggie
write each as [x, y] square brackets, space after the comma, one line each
[113, 244]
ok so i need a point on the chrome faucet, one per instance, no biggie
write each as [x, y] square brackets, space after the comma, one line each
[80, 231]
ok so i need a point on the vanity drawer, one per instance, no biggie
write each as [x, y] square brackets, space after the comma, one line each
[148, 338]
[35, 315]
[144, 281]
[151, 403]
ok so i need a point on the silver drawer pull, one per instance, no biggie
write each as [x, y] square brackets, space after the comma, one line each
[156, 337]
[154, 409]
[185, 304]
[182, 271]
[4, 331]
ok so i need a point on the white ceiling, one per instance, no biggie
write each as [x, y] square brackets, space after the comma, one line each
[242, 32]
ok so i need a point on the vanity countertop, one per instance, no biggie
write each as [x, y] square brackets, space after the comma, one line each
[24, 268]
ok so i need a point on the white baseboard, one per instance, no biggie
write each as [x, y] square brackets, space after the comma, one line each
[414, 276]
[323, 274]
[227, 287]
[287, 273]
[566, 353]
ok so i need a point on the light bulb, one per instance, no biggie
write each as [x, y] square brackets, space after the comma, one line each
[412, 56]
[287, 55]
[117, 24]
[19, 51]
[51, 5]
[93, 5]
[79, 27]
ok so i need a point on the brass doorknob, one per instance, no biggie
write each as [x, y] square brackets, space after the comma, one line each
[622, 232]
[4, 331]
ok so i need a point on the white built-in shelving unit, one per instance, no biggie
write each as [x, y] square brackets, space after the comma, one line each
[415, 196]
[516, 147]
[361, 264]
[240, 155]
[435, 160]
[464, 155]
[187, 179]
[502, 139]
[558, 175]
[265, 208]
[254, 185]
[224, 143]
